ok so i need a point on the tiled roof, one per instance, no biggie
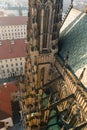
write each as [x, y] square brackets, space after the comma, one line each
[8, 50]
[5, 104]
[73, 38]
[4, 115]
[11, 20]
[5, 91]
[11, 87]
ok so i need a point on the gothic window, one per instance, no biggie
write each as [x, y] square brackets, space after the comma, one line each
[45, 26]
[35, 33]
[54, 36]
[42, 74]
[39, 19]
[28, 38]
[54, 29]
[35, 20]
[53, 47]
[32, 48]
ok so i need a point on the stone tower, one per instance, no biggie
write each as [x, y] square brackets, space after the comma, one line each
[43, 26]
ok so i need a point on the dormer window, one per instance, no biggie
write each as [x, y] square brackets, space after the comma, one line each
[12, 42]
[0, 43]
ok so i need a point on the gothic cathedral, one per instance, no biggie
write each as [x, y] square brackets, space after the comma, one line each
[47, 92]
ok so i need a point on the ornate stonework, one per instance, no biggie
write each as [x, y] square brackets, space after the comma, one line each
[44, 69]
[44, 21]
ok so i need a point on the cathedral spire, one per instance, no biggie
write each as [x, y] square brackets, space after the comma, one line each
[43, 34]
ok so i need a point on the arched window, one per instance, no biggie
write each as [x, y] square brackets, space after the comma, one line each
[45, 26]
[42, 75]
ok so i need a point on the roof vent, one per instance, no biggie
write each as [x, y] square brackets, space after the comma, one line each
[0, 43]
[10, 48]
[5, 85]
[25, 41]
[12, 42]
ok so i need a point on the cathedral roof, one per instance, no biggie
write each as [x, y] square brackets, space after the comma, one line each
[73, 38]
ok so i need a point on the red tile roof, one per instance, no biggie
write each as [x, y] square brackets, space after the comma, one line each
[8, 50]
[11, 20]
[11, 87]
[5, 102]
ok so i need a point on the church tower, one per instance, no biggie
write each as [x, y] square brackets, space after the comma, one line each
[43, 26]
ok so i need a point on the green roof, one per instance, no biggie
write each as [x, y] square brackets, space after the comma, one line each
[74, 39]
[53, 121]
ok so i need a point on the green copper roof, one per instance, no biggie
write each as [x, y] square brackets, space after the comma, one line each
[74, 39]
[53, 121]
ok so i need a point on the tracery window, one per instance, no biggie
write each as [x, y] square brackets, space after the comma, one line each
[45, 26]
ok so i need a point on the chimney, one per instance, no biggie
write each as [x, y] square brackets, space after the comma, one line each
[0, 43]
[5, 85]
[12, 42]
[10, 48]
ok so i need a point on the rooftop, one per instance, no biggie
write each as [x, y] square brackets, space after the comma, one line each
[11, 20]
[73, 39]
[12, 50]
[5, 102]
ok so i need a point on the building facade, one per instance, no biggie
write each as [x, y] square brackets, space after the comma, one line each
[12, 36]
[12, 59]
[9, 105]
[13, 27]
[44, 22]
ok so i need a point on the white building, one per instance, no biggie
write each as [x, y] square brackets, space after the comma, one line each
[12, 57]
[13, 27]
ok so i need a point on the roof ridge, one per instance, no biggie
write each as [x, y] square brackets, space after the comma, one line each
[82, 11]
